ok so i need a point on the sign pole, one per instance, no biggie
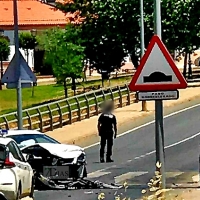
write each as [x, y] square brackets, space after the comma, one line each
[144, 103]
[159, 130]
[17, 60]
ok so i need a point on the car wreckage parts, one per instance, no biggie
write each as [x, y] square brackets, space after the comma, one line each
[75, 181]
[46, 183]
[42, 182]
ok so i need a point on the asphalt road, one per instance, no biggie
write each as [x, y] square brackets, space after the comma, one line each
[134, 156]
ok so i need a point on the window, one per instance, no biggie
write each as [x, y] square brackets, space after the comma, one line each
[13, 151]
[18, 152]
[38, 138]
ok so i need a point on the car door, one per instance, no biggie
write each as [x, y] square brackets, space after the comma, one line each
[27, 170]
[21, 169]
[2, 156]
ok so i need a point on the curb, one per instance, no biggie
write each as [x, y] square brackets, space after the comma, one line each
[193, 85]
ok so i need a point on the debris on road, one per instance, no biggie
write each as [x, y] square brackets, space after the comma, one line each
[45, 183]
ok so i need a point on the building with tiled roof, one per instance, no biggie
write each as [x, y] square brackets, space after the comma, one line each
[32, 14]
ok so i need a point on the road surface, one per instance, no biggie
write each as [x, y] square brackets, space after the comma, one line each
[134, 156]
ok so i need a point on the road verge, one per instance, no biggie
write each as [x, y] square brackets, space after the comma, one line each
[80, 132]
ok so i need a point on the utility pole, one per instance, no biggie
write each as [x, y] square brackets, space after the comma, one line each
[159, 130]
[144, 103]
[17, 54]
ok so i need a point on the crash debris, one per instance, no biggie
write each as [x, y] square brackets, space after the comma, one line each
[45, 183]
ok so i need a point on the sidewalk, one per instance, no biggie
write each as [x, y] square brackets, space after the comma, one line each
[88, 127]
[184, 194]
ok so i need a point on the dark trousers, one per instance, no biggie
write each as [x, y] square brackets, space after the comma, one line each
[109, 141]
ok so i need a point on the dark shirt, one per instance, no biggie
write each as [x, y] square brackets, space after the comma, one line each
[107, 120]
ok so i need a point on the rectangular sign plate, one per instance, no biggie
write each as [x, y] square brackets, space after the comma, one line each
[56, 172]
[158, 95]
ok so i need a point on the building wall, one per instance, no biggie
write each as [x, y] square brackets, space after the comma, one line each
[30, 57]
[10, 34]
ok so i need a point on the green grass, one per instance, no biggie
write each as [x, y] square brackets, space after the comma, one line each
[44, 94]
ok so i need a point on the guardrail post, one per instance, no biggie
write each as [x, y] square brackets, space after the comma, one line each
[51, 117]
[128, 97]
[96, 104]
[60, 115]
[111, 93]
[120, 97]
[70, 111]
[6, 121]
[79, 109]
[104, 97]
[16, 117]
[29, 119]
[40, 120]
[88, 106]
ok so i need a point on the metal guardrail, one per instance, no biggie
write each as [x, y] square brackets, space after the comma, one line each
[54, 115]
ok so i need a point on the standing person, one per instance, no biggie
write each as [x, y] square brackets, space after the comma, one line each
[107, 128]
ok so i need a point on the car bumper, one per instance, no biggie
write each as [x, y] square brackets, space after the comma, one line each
[8, 193]
[73, 171]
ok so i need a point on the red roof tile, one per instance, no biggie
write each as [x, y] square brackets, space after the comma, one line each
[31, 12]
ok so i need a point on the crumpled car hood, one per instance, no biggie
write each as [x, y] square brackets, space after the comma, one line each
[61, 150]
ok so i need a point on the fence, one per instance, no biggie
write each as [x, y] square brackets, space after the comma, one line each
[57, 114]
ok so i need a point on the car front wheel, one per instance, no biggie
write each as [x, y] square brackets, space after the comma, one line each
[18, 197]
[32, 188]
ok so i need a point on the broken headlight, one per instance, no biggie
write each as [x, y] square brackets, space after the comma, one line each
[81, 158]
[54, 161]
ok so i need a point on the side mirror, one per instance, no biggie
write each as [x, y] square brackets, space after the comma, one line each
[27, 157]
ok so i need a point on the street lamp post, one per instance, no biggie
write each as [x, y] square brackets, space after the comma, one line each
[144, 103]
[1, 35]
[34, 33]
[18, 67]
[159, 132]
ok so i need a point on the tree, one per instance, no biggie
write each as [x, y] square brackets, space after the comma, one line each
[64, 51]
[27, 41]
[110, 29]
[4, 53]
[180, 26]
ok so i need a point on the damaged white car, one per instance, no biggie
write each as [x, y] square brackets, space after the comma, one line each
[49, 158]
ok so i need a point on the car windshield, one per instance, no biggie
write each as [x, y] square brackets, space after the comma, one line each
[30, 139]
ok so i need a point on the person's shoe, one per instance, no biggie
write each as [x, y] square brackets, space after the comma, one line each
[102, 160]
[108, 160]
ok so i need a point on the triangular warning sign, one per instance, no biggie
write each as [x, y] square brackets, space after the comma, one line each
[11, 74]
[157, 70]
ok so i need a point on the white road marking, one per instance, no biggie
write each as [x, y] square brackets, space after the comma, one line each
[128, 176]
[148, 123]
[176, 143]
[136, 158]
[173, 174]
[97, 174]
[131, 175]
[101, 170]
[151, 152]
